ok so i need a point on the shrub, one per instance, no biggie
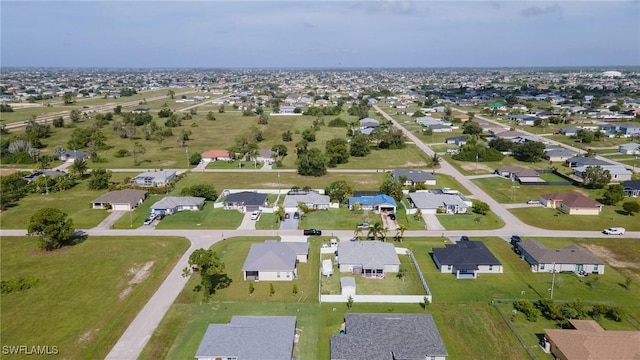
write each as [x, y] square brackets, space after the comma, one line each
[527, 308]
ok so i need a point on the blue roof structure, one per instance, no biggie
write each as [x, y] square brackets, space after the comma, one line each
[373, 200]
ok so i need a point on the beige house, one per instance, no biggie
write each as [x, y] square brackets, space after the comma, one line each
[572, 203]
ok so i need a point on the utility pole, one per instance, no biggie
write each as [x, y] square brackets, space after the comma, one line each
[553, 279]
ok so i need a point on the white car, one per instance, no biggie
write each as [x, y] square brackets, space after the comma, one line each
[614, 231]
[255, 215]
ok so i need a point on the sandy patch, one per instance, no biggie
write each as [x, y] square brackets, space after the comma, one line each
[87, 336]
[5, 172]
[472, 166]
[604, 253]
[140, 274]
[412, 164]
[270, 185]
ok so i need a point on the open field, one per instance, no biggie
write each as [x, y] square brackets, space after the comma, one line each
[473, 168]
[605, 142]
[501, 189]
[546, 218]
[86, 295]
[207, 218]
[471, 221]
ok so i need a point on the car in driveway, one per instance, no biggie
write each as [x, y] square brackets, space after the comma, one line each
[255, 215]
[392, 216]
[464, 238]
[364, 225]
[296, 215]
[150, 219]
[614, 231]
[312, 232]
[533, 201]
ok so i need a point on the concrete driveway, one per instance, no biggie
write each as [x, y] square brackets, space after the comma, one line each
[290, 223]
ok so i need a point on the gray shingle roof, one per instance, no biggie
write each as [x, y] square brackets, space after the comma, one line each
[429, 200]
[273, 256]
[310, 198]
[465, 255]
[572, 254]
[126, 196]
[171, 202]
[387, 337]
[417, 176]
[371, 254]
[250, 338]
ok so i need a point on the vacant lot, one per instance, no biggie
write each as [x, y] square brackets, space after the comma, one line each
[85, 295]
[471, 221]
[505, 191]
[553, 219]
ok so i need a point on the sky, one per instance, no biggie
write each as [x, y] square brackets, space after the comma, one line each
[318, 34]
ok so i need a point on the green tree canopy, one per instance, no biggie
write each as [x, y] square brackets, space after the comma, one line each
[339, 191]
[337, 152]
[52, 227]
[99, 179]
[360, 146]
[631, 207]
[614, 194]
[206, 191]
[595, 177]
[529, 151]
[210, 267]
[312, 163]
[392, 188]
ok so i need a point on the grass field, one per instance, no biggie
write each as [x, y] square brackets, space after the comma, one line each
[501, 190]
[85, 296]
[596, 144]
[546, 218]
[471, 221]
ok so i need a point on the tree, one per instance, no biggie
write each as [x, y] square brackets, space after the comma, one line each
[585, 136]
[631, 207]
[435, 162]
[74, 115]
[263, 119]
[350, 302]
[52, 227]
[614, 194]
[44, 161]
[311, 163]
[402, 274]
[471, 128]
[479, 207]
[272, 289]
[280, 150]
[78, 167]
[400, 232]
[99, 179]
[392, 188]
[12, 188]
[211, 116]
[502, 144]
[171, 94]
[337, 152]
[360, 146]
[206, 191]
[529, 151]
[69, 98]
[339, 191]
[195, 159]
[58, 122]
[287, 136]
[210, 267]
[377, 229]
[595, 177]
[138, 149]
[309, 135]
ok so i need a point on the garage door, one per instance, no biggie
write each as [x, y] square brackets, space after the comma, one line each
[121, 207]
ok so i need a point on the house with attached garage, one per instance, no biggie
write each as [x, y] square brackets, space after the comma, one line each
[572, 258]
[311, 199]
[572, 203]
[413, 177]
[466, 259]
[629, 149]
[245, 201]
[154, 178]
[618, 172]
[371, 259]
[388, 337]
[458, 140]
[250, 338]
[173, 204]
[120, 200]
[378, 203]
[520, 174]
[559, 154]
[631, 188]
[582, 160]
[440, 201]
[215, 155]
[73, 155]
[274, 260]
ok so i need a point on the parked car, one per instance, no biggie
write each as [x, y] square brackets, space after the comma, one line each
[364, 225]
[392, 216]
[515, 239]
[296, 215]
[286, 215]
[533, 201]
[255, 215]
[464, 238]
[150, 219]
[312, 232]
[614, 231]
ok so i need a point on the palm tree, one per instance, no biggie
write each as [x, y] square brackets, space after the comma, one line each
[383, 233]
[279, 214]
[79, 167]
[400, 231]
[357, 232]
[375, 230]
[435, 161]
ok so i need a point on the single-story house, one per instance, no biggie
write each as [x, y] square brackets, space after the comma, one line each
[172, 204]
[519, 174]
[52, 174]
[588, 340]
[631, 188]
[311, 199]
[369, 258]
[249, 338]
[120, 200]
[348, 286]
[569, 258]
[572, 203]
[274, 261]
[245, 201]
[559, 154]
[444, 127]
[215, 154]
[414, 177]
[378, 203]
[437, 201]
[72, 155]
[629, 149]
[582, 160]
[388, 337]
[264, 155]
[523, 119]
[458, 140]
[618, 172]
[509, 134]
[140, 111]
[572, 131]
[368, 123]
[466, 259]
[154, 178]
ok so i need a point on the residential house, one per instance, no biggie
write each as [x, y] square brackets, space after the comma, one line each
[372, 259]
[414, 177]
[588, 340]
[245, 201]
[509, 135]
[520, 174]
[120, 200]
[618, 172]
[216, 154]
[629, 149]
[466, 259]
[274, 261]
[250, 338]
[264, 155]
[72, 155]
[631, 188]
[311, 199]
[52, 174]
[458, 140]
[572, 203]
[559, 154]
[428, 120]
[173, 204]
[368, 123]
[582, 160]
[497, 106]
[572, 131]
[440, 201]
[388, 337]
[630, 130]
[523, 119]
[444, 127]
[154, 178]
[569, 258]
[378, 203]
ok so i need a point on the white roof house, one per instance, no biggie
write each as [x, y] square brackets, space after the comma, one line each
[431, 201]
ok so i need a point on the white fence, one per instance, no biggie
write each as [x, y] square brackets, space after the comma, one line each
[400, 299]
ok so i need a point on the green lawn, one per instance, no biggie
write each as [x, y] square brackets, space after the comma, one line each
[471, 168]
[234, 165]
[471, 221]
[501, 189]
[207, 218]
[605, 142]
[79, 209]
[84, 298]
[553, 219]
